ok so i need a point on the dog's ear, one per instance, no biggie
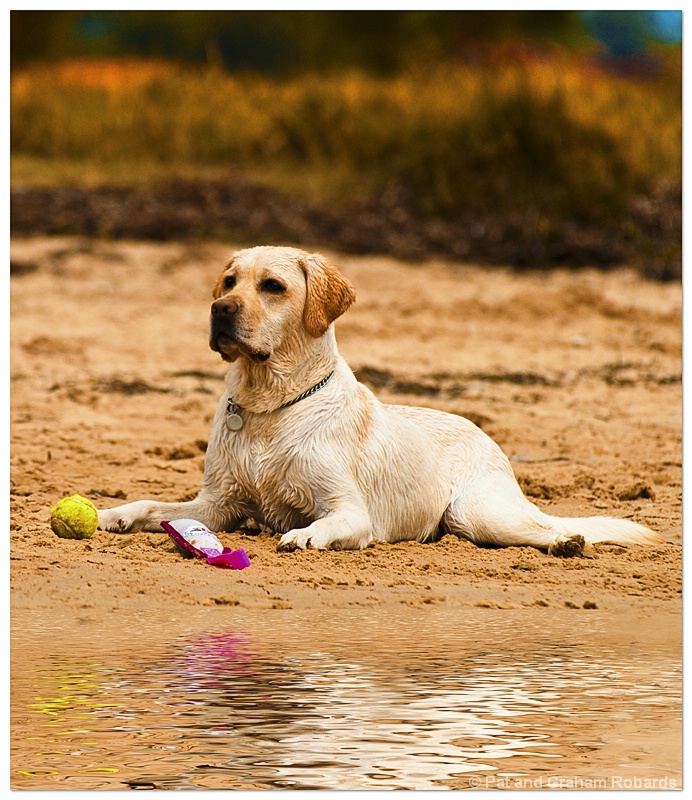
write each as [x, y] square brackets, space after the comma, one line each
[329, 294]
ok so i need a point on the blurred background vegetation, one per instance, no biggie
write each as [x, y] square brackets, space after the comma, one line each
[522, 137]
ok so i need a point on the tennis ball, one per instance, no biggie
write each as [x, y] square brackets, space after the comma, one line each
[74, 518]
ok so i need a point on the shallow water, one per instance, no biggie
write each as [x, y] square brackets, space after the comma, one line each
[431, 699]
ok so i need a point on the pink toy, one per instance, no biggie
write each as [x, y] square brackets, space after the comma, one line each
[195, 539]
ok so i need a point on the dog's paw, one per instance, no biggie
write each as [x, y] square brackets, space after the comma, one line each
[294, 540]
[306, 540]
[112, 520]
[567, 546]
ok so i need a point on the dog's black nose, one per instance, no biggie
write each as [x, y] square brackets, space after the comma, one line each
[224, 306]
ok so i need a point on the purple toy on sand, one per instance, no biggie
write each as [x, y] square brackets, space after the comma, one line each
[195, 539]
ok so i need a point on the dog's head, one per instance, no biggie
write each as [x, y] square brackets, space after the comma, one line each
[268, 296]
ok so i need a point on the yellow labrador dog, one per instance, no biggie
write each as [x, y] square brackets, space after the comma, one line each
[300, 446]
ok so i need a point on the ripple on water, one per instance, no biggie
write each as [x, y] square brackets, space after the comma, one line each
[416, 700]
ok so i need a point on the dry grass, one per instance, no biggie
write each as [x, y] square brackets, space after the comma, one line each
[551, 136]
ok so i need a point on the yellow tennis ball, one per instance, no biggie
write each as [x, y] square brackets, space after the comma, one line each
[74, 517]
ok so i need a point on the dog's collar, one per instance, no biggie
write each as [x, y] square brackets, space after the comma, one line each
[234, 421]
[314, 389]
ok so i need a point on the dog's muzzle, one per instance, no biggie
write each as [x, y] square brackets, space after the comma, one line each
[222, 330]
[223, 333]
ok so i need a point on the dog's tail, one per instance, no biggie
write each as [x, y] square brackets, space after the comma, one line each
[601, 529]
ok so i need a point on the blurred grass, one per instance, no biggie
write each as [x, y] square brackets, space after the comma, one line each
[548, 137]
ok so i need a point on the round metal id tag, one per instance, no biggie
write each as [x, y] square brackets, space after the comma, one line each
[234, 422]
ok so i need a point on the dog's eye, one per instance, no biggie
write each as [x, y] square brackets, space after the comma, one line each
[273, 287]
[229, 282]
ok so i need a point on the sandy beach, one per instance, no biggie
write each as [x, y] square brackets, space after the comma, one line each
[577, 375]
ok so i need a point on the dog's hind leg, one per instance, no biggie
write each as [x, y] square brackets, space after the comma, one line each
[491, 509]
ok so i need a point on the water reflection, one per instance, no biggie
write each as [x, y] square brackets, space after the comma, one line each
[376, 703]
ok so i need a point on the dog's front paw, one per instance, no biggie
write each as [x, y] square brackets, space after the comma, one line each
[142, 515]
[112, 519]
[304, 540]
[124, 518]
[294, 540]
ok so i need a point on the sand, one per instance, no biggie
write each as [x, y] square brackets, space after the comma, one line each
[576, 374]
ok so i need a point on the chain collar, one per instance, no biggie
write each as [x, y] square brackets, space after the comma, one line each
[235, 422]
[314, 389]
